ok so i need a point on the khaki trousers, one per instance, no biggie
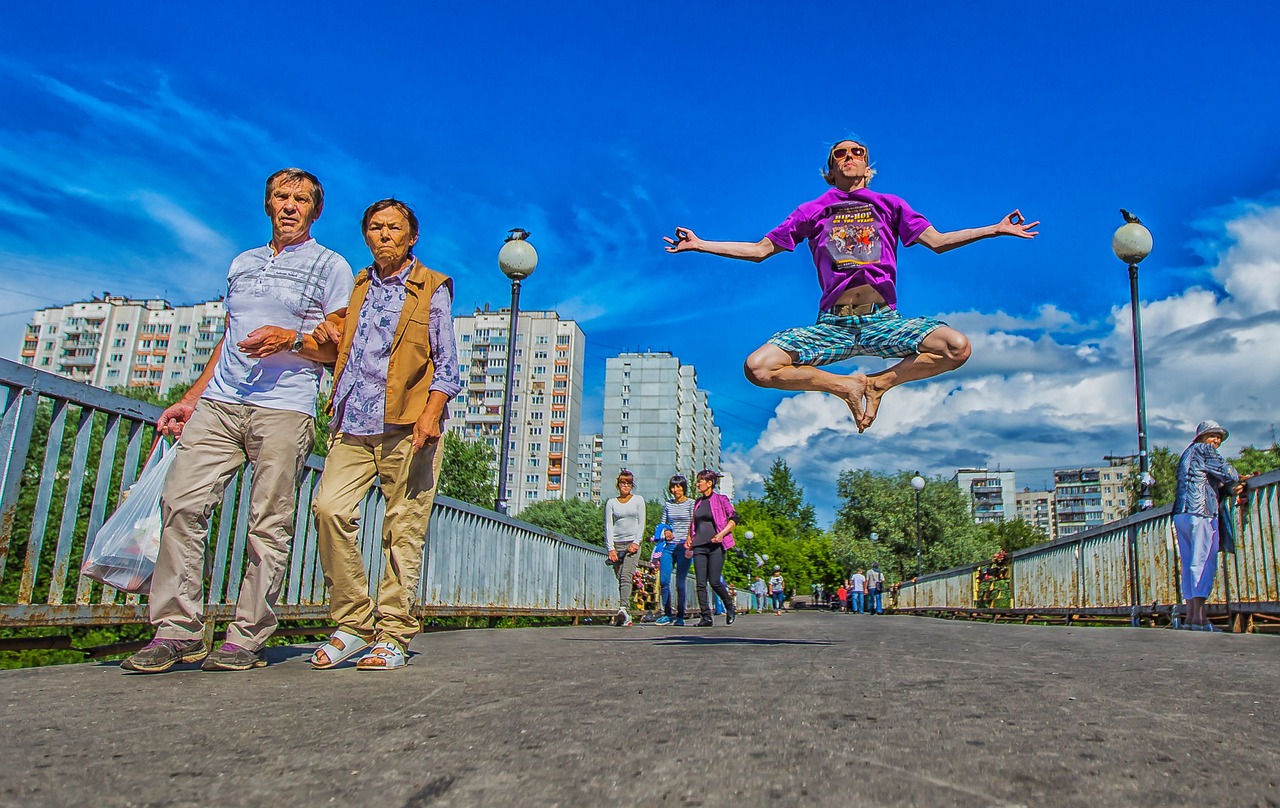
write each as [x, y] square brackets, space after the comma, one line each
[408, 482]
[216, 442]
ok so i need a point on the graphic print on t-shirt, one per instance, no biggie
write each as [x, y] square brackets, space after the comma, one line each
[852, 237]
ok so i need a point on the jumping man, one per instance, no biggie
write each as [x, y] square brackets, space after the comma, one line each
[853, 234]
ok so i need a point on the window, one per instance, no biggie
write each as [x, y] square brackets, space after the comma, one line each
[563, 339]
[624, 429]
[122, 326]
[539, 354]
[624, 415]
[559, 399]
[626, 402]
[531, 479]
[624, 457]
[542, 340]
[539, 369]
[624, 443]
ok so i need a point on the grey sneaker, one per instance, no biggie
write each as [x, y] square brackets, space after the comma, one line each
[161, 655]
[231, 657]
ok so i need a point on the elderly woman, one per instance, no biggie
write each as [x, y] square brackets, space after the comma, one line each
[712, 529]
[623, 527]
[1203, 477]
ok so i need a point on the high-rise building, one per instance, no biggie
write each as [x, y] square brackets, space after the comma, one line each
[1036, 508]
[546, 398]
[590, 458]
[990, 494]
[115, 341]
[1086, 498]
[656, 422]
[1116, 494]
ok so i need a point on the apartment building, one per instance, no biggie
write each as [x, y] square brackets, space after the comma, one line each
[991, 494]
[590, 460]
[656, 422]
[116, 341]
[1036, 508]
[1090, 497]
[546, 398]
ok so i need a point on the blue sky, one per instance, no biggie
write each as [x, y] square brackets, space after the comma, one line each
[134, 142]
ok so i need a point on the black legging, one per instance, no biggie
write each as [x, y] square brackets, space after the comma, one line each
[708, 565]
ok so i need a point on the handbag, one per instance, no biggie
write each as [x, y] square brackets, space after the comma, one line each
[123, 552]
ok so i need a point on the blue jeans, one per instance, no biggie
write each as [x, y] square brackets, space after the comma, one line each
[855, 599]
[874, 604]
[675, 564]
[666, 563]
[778, 597]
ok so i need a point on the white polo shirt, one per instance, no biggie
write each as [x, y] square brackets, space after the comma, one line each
[293, 289]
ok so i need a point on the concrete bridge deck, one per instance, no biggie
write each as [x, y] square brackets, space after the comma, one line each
[803, 709]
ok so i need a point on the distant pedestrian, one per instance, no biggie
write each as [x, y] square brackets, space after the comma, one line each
[665, 549]
[777, 589]
[857, 592]
[678, 512]
[759, 591]
[842, 595]
[875, 589]
[713, 522]
[1204, 477]
[624, 518]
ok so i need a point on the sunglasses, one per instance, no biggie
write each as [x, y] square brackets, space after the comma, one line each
[856, 152]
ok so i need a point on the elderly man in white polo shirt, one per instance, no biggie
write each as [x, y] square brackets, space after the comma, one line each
[255, 401]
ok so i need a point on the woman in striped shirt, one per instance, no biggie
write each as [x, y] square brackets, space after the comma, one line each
[677, 512]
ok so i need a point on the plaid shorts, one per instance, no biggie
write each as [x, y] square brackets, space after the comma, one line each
[883, 333]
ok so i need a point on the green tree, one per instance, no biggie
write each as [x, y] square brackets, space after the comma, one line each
[466, 471]
[575, 518]
[1253, 460]
[784, 498]
[884, 504]
[1015, 534]
[1164, 470]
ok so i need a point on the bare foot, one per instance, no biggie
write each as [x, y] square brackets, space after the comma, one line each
[873, 396]
[854, 393]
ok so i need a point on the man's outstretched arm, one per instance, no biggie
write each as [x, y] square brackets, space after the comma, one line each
[687, 241]
[1012, 225]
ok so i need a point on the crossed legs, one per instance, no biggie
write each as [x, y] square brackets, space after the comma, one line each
[942, 350]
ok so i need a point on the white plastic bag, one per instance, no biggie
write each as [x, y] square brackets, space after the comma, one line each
[124, 550]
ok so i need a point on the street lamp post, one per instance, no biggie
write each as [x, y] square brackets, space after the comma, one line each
[517, 259]
[1131, 243]
[917, 482]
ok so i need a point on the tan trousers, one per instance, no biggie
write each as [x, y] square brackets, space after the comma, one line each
[216, 442]
[408, 483]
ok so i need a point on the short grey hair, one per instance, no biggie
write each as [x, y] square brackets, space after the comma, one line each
[295, 175]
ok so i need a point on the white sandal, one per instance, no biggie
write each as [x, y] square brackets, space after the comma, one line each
[341, 646]
[384, 656]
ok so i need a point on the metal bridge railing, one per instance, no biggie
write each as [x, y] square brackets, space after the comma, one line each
[67, 451]
[1126, 568]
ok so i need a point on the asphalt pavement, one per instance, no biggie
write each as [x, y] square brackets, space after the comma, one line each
[803, 709]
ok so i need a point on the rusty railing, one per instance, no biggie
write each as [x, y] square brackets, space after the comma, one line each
[1127, 569]
[68, 450]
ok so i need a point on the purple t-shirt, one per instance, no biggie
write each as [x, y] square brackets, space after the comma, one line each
[854, 237]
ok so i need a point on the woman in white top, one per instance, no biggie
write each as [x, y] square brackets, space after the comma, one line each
[624, 520]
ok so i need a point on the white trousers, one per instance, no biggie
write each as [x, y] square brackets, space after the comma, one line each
[1198, 550]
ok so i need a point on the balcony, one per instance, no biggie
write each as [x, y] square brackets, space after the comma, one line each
[78, 361]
